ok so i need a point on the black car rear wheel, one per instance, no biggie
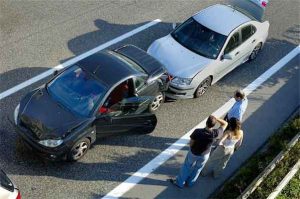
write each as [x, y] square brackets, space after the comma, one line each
[158, 100]
[202, 88]
[79, 149]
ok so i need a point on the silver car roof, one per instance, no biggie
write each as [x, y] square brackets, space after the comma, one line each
[221, 18]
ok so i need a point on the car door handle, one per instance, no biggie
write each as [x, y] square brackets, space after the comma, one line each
[237, 53]
[254, 40]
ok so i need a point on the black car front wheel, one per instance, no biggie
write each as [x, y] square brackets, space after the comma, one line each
[79, 149]
[158, 100]
[202, 88]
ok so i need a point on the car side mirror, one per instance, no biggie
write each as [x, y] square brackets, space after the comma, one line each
[227, 56]
[55, 72]
[150, 81]
[174, 25]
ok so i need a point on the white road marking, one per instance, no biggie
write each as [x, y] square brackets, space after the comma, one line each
[76, 59]
[130, 182]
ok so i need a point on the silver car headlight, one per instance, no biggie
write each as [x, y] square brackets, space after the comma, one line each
[51, 143]
[182, 81]
[16, 113]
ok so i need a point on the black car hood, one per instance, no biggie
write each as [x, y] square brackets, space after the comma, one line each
[45, 117]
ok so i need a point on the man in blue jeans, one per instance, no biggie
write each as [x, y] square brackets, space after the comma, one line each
[200, 147]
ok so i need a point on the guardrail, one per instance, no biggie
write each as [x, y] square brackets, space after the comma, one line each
[285, 180]
[259, 179]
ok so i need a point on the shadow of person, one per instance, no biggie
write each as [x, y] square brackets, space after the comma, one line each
[293, 33]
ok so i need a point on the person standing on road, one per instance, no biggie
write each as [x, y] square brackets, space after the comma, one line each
[238, 109]
[231, 140]
[200, 147]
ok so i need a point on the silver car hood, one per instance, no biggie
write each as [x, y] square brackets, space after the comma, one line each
[178, 60]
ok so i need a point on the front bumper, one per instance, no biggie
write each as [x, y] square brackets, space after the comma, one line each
[175, 92]
[57, 153]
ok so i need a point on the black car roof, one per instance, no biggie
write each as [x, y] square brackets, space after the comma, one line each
[107, 68]
[139, 56]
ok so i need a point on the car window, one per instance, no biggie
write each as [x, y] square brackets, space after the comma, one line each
[247, 32]
[128, 62]
[112, 105]
[139, 83]
[233, 43]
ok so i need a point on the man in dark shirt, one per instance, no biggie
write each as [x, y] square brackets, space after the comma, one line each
[200, 147]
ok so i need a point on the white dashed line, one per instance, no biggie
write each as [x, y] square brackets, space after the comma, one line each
[179, 144]
[76, 59]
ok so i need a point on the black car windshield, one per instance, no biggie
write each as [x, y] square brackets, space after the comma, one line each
[77, 90]
[199, 39]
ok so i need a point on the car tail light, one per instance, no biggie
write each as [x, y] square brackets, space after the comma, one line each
[19, 195]
[264, 4]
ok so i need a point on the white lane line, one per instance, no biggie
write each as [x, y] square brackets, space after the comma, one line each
[130, 182]
[76, 59]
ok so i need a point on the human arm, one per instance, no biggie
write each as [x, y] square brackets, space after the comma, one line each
[225, 135]
[239, 143]
[223, 123]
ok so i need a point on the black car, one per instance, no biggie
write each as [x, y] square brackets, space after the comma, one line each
[106, 93]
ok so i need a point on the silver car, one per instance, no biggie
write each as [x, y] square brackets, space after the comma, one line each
[209, 45]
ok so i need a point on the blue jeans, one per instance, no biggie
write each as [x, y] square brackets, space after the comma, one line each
[191, 169]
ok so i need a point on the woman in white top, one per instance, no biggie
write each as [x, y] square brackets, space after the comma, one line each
[231, 140]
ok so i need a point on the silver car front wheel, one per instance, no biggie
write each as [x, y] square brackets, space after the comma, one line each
[202, 88]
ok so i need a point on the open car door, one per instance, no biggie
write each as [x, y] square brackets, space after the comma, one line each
[131, 115]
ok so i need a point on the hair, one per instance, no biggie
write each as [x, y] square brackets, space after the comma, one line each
[239, 93]
[235, 127]
[211, 121]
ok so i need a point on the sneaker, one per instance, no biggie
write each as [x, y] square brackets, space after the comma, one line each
[174, 182]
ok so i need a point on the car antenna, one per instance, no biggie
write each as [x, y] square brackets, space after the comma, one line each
[94, 72]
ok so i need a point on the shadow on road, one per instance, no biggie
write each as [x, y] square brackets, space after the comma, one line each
[258, 127]
[116, 167]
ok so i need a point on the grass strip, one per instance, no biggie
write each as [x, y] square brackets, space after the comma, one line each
[257, 163]
[292, 190]
[274, 178]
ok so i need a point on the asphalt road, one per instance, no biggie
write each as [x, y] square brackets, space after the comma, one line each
[38, 35]
[269, 106]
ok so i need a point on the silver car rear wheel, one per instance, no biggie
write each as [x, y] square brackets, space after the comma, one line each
[202, 88]
[158, 100]
[255, 52]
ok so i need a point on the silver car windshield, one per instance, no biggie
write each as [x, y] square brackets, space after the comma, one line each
[199, 39]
